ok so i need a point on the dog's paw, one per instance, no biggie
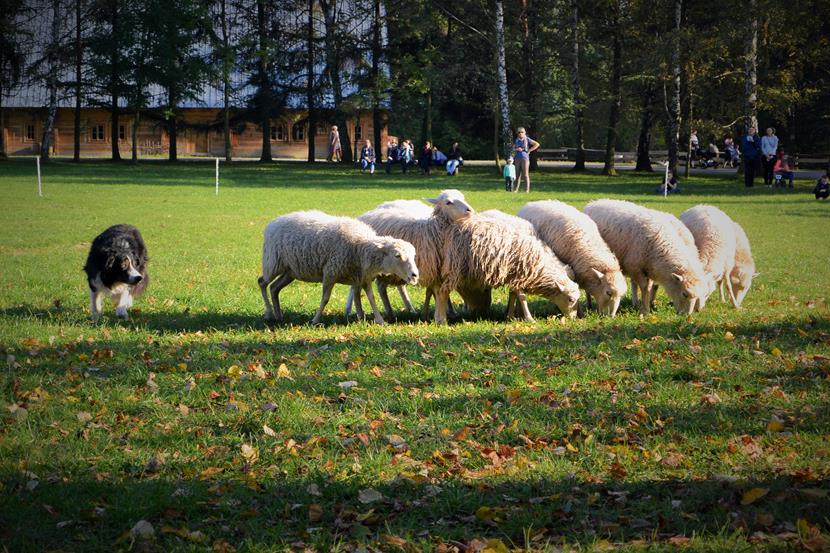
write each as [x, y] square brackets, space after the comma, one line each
[121, 313]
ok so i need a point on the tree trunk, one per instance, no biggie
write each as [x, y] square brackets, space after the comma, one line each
[496, 138]
[134, 137]
[530, 87]
[3, 154]
[673, 106]
[577, 90]
[501, 75]
[264, 81]
[376, 54]
[309, 85]
[226, 83]
[644, 142]
[52, 82]
[751, 69]
[690, 119]
[79, 55]
[616, 96]
[114, 79]
[333, 69]
[426, 131]
[172, 127]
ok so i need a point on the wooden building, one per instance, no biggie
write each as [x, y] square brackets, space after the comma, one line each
[199, 133]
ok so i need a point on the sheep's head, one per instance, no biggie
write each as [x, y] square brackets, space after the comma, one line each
[451, 203]
[688, 292]
[741, 281]
[608, 290]
[564, 294]
[399, 259]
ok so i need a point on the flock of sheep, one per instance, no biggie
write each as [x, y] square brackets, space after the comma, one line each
[550, 249]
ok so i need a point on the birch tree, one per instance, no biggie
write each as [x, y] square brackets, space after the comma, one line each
[576, 87]
[501, 76]
[673, 101]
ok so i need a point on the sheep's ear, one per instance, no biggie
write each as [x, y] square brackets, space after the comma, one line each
[600, 275]
[678, 278]
[433, 201]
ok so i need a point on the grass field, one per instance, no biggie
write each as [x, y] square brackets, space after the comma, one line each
[710, 432]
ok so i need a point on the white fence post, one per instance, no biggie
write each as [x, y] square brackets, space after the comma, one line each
[39, 184]
[217, 176]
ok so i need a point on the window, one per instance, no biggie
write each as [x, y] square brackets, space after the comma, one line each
[278, 133]
[97, 132]
[322, 129]
[122, 132]
[30, 132]
[298, 131]
[358, 132]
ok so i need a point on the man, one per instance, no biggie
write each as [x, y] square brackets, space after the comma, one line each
[751, 149]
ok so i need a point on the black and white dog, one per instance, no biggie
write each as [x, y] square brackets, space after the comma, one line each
[116, 266]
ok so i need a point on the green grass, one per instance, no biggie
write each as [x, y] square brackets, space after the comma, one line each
[593, 433]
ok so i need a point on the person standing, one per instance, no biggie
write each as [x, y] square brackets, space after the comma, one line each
[367, 157]
[694, 147]
[335, 150]
[751, 148]
[522, 147]
[425, 159]
[509, 173]
[769, 148]
[453, 159]
[405, 154]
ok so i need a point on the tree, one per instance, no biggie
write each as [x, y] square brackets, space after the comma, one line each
[335, 43]
[226, 58]
[53, 68]
[576, 87]
[79, 60]
[12, 57]
[615, 87]
[673, 101]
[311, 86]
[751, 68]
[501, 76]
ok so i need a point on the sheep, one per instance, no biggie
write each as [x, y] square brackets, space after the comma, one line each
[486, 253]
[652, 247]
[714, 235]
[743, 270]
[576, 240]
[313, 246]
[406, 220]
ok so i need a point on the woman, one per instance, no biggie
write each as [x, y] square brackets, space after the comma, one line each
[769, 150]
[426, 158]
[522, 147]
[367, 157]
[335, 150]
[454, 159]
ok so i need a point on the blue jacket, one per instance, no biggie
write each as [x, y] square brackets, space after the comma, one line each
[751, 149]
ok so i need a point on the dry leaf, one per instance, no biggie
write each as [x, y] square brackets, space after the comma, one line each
[315, 512]
[751, 496]
[249, 453]
[283, 372]
[728, 336]
[369, 495]
[269, 431]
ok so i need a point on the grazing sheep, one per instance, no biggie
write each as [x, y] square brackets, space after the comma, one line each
[652, 247]
[486, 253]
[743, 270]
[714, 234]
[313, 246]
[576, 240]
[423, 228]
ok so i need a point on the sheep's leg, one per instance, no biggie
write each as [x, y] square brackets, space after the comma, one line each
[407, 301]
[425, 309]
[358, 303]
[96, 304]
[383, 292]
[525, 309]
[263, 288]
[720, 289]
[442, 297]
[511, 304]
[277, 286]
[732, 297]
[327, 288]
[634, 288]
[652, 294]
[588, 300]
[371, 297]
[644, 284]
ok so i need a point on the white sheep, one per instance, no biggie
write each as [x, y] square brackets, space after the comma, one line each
[486, 253]
[714, 234]
[576, 240]
[652, 247]
[426, 230]
[313, 246]
[743, 270]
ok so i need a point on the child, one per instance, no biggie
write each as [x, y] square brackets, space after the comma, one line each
[822, 189]
[669, 186]
[782, 170]
[509, 176]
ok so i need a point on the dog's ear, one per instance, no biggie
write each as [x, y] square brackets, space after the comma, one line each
[110, 262]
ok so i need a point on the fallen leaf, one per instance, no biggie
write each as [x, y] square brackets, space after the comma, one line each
[249, 453]
[495, 546]
[369, 495]
[234, 371]
[283, 372]
[775, 424]
[728, 336]
[347, 385]
[142, 531]
[753, 495]
[83, 416]
[269, 431]
[315, 512]
[398, 443]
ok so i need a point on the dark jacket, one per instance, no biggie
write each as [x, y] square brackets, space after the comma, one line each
[751, 149]
[454, 153]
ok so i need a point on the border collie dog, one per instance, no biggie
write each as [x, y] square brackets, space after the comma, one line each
[116, 266]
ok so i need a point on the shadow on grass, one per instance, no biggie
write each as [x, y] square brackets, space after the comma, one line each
[93, 514]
